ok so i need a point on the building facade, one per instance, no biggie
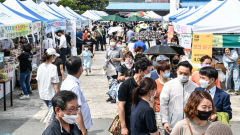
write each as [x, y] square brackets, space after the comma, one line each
[161, 7]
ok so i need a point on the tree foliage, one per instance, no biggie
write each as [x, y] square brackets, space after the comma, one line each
[82, 5]
[70, 3]
[2, 1]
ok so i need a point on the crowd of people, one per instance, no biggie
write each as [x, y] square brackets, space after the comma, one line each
[155, 94]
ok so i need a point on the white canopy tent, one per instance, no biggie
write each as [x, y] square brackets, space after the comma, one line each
[63, 12]
[224, 19]
[91, 16]
[85, 21]
[166, 17]
[9, 25]
[31, 9]
[192, 10]
[35, 7]
[8, 17]
[49, 9]
[181, 25]
[152, 15]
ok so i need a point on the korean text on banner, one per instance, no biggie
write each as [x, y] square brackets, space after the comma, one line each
[12, 31]
[217, 41]
[170, 33]
[186, 41]
[202, 45]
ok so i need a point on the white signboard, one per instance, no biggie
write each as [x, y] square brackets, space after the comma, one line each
[185, 40]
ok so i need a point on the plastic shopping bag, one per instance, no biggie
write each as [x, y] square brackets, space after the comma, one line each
[74, 51]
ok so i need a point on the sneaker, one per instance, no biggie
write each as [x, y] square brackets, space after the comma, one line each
[236, 93]
[230, 91]
[24, 97]
[113, 101]
[109, 99]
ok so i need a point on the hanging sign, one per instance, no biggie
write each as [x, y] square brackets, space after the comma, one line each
[202, 45]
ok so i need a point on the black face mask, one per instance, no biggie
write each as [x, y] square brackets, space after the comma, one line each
[176, 61]
[202, 115]
[88, 36]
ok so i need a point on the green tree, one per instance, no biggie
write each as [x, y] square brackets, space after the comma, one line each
[81, 6]
[70, 3]
[92, 4]
[2, 1]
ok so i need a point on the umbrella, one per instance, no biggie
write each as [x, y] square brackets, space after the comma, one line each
[136, 18]
[116, 18]
[169, 49]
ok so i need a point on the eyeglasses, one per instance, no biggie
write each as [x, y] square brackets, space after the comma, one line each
[76, 109]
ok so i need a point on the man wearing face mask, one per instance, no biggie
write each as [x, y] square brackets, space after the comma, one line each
[72, 83]
[114, 55]
[65, 106]
[208, 77]
[174, 96]
[206, 61]
[160, 58]
[142, 69]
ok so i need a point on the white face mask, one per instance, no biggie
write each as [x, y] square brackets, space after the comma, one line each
[183, 79]
[154, 95]
[148, 75]
[112, 44]
[70, 119]
[85, 49]
[54, 59]
[203, 83]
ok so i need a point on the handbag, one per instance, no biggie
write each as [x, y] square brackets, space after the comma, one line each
[115, 127]
[223, 117]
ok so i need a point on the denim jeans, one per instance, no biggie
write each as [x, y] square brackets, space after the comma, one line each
[48, 103]
[234, 72]
[25, 81]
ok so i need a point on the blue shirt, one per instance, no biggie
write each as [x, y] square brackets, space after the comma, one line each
[164, 42]
[143, 120]
[140, 43]
[130, 34]
[79, 35]
[154, 75]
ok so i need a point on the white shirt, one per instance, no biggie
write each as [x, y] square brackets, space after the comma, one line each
[6, 44]
[48, 43]
[212, 91]
[130, 46]
[47, 75]
[72, 83]
[173, 98]
[63, 41]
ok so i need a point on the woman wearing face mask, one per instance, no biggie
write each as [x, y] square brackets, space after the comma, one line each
[47, 77]
[175, 61]
[163, 70]
[142, 115]
[126, 70]
[198, 110]
[86, 59]
[230, 61]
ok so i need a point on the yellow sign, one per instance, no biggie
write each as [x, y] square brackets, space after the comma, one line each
[201, 45]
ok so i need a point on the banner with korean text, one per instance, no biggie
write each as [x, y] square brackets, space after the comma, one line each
[202, 45]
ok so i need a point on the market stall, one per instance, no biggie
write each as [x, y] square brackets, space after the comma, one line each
[11, 29]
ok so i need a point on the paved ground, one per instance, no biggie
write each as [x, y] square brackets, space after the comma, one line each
[24, 117]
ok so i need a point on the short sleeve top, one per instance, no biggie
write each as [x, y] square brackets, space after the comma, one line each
[143, 120]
